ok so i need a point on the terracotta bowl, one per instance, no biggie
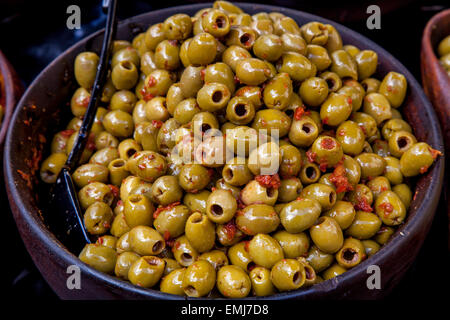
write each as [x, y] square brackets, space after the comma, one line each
[10, 91]
[436, 84]
[47, 96]
[436, 81]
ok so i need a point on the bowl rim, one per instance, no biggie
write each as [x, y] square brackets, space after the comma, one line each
[12, 89]
[44, 235]
[430, 27]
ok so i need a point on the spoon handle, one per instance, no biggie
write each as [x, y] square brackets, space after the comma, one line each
[100, 79]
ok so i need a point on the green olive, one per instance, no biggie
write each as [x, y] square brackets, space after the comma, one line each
[403, 191]
[351, 137]
[394, 87]
[255, 193]
[146, 241]
[286, 24]
[170, 221]
[236, 172]
[147, 165]
[351, 254]
[268, 47]
[95, 192]
[264, 250]
[272, 120]
[303, 132]
[183, 251]
[79, 102]
[290, 189]
[319, 56]
[217, 258]
[343, 212]
[293, 42]
[355, 93]
[313, 91]
[173, 282]
[123, 264]
[417, 159]
[202, 49]
[318, 259]
[378, 185]
[377, 106]
[157, 83]
[85, 68]
[390, 208]
[98, 218]
[315, 33]
[335, 109]
[240, 110]
[297, 66]
[138, 210]
[199, 279]
[166, 190]
[119, 123]
[51, 167]
[261, 283]
[233, 282]
[252, 71]
[294, 244]
[291, 161]
[300, 215]
[242, 36]
[178, 26]
[154, 35]
[400, 142]
[334, 82]
[107, 241]
[88, 173]
[288, 274]
[233, 54]
[366, 61]
[265, 159]
[99, 257]
[364, 226]
[146, 271]
[384, 235]
[343, 64]
[257, 218]
[327, 235]
[124, 75]
[371, 247]
[200, 232]
[372, 165]
[196, 201]
[371, 85]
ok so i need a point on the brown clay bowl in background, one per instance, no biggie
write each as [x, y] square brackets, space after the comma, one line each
[10, 91]
[436, 84]
[436, 81]
[52, 89]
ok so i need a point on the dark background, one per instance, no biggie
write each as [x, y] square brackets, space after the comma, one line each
[33, 33]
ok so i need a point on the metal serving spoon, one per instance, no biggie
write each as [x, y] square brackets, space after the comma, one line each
[66, 219]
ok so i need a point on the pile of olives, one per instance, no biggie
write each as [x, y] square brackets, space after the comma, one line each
[444, 53]
[239, 154]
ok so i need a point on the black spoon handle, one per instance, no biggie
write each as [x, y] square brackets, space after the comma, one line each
[100, 79]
